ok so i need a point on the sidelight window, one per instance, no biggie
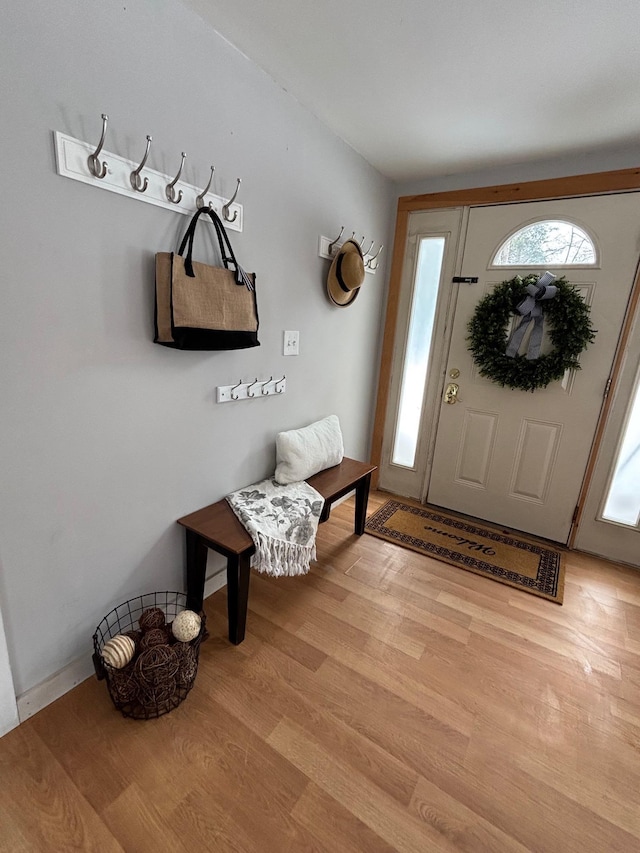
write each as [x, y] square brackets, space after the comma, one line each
[416, 362]
[622, 503]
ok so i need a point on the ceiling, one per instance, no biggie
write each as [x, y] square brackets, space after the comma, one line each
[422, 88]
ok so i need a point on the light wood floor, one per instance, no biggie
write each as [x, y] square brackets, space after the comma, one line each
[386, 702]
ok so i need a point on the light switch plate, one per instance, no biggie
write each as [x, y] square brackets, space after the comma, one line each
[291, 345]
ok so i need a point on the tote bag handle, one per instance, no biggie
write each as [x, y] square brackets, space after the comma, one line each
[226, 250]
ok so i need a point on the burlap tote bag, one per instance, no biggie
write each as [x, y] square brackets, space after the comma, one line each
[202, 307]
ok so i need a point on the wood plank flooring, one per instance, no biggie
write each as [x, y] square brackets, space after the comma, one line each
[385, 702]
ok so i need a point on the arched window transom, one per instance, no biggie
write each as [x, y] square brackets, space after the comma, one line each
[547, 243]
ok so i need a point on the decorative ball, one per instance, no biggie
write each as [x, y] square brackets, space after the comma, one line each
[136, 636]
[154, 637]
[186, 626]
[155, 696]
[157, 664]
[188, 664]
[118, 651]
[153, 617]
[123, 686]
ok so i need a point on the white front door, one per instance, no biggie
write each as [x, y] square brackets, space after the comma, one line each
[518, 458]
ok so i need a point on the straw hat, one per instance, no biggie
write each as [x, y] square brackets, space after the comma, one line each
[346, 274]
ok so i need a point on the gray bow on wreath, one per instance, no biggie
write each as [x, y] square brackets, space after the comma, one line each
[531, 311]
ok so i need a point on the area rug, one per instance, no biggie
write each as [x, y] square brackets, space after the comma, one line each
[469, 545]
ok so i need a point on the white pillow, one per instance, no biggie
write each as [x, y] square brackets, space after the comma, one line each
[303, 452]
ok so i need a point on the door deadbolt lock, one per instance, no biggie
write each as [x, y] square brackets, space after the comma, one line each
[454, 373]
[451, 393]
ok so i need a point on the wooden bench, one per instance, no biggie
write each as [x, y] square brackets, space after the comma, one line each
[216, 527]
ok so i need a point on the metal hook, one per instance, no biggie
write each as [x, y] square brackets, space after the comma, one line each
[369, 249]
[173, 196]
[225, 209]
[136, 181]
[249, 387]
[262, 391]
[200, 198]
[361, 243]
[98, 169]
[331, 245]
[280, 390]
[371, 260]
[235, 396]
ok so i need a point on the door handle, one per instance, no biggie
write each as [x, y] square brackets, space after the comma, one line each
[451, 393]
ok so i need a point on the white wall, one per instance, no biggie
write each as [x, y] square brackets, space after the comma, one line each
[106, 438]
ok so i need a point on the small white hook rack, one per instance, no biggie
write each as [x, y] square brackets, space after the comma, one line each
[82, 161]
[328, 248]
[251, 390]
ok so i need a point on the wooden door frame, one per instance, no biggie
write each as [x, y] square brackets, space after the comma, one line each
[600, 183]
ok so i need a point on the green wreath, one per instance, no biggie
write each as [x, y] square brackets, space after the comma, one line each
[567, 320]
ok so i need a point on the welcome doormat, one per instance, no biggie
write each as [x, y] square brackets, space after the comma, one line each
[503, 557]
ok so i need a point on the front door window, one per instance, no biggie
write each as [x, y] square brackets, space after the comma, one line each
[547, 243]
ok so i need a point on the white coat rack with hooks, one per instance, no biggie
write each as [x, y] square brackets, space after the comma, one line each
[83, 161]
[252, 390]
[328, 248]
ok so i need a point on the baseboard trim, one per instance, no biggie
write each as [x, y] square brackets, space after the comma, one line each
[215, 582]
[43, 694]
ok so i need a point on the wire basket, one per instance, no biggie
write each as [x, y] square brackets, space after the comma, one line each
[162, 670]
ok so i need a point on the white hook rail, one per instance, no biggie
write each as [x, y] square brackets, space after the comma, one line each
[328, 248]
[73, 158]
[251, 390]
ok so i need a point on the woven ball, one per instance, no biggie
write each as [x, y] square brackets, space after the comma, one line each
[154, 637]
[186, 626]
[188, 664]
[153, 617]
[157, 664]
[118, 651]
[136, 636]
[124, 686]
[151, 695]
